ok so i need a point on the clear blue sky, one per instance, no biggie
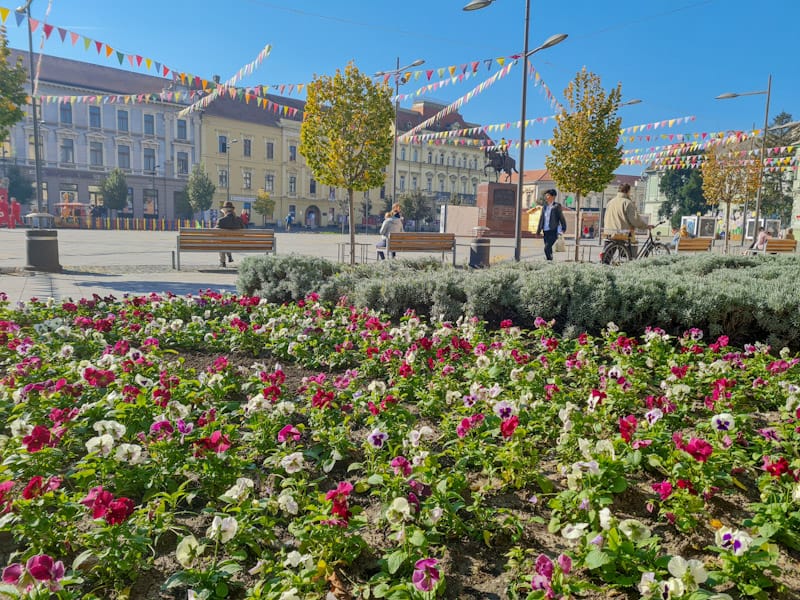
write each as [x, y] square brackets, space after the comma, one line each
[674, 55]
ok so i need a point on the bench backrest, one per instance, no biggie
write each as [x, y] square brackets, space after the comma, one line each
[407, 241]
[693, 244]
[241, 239]
[780, 245]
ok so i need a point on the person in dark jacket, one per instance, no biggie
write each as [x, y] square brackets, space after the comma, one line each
[229, 221]
[551, 222]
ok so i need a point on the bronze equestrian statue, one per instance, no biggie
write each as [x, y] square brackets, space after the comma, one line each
[500, 162]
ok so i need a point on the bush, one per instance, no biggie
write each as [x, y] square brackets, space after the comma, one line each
[744, 297]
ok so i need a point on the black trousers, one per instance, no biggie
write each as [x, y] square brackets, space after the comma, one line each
[550, 237]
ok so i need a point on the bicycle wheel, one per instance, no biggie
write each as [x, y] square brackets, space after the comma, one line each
[657, 249]
[614, 254]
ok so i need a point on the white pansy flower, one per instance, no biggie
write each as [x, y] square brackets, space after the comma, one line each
[222, 529]
[67, 351]
[293, 463]
[723, 422]
[398, 511]
[377, 387]
[483, 362]
[20, 428]
[240, 490]
[130, 453]
[112, 428]
[635, 530]
[188, 550]
[287, 503]
[294, 559]
[692, 572]
[606, 518]
[102, 444]
[573, 531]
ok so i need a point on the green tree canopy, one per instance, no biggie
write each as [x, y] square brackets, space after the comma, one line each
[115, 190]
[12, 91]
[200, 190]
[346, 136]
[20, 186]
[264, 205]
[415, 206]
[684, 191]
[586, 148]
[183, 210]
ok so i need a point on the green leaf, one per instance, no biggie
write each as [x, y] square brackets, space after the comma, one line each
[418, 538]
[395, 560]
[375, 479]
[596, 559]
[620, 485]
[179, 579]
[379, 591]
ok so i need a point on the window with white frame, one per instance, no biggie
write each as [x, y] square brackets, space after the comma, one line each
[122, 120]
[402, 183]
[181, 129]
[312, 187]
[95, 120]
[292, 184]
[429, 184]
[247, 178]
[183, 163]
[247, 147]
[270, 151]
[223, 178]
[149, 160]
[269, 182]
[66, 154]
[149, 124]
[292, 153]
[124, 157]
[65, 113]
[96, 154]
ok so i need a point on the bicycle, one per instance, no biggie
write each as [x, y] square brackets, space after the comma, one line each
[616, 251]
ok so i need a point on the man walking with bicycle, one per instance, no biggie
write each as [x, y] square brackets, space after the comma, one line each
[621, 214]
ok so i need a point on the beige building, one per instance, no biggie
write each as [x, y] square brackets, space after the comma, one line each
[245, 149]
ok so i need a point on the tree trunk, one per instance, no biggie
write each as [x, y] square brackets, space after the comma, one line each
[352, 219]
[577, 224]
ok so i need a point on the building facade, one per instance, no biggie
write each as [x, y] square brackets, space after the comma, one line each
[89, 125]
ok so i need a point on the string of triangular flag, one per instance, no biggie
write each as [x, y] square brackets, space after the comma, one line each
[460, 102]
[230, 83]
[657, 125]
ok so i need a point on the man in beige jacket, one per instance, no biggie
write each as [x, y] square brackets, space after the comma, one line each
[621, 214]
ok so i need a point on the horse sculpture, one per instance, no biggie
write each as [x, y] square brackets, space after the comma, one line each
[500, 162]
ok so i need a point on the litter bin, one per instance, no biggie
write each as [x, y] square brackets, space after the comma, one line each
[479, 249]
[41, 243]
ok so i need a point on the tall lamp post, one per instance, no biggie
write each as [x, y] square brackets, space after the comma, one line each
[41, 242]
[155, 191]
[228, 172]
[396, 73]
[548, 43]
[763, 149]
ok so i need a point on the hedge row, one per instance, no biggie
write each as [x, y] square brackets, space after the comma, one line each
[746, 298]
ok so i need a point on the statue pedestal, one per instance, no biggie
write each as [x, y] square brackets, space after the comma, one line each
[497, 203]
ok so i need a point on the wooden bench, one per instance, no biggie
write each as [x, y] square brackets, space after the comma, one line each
[693, 245]
[776, 246]
[408, 241]
[224, 240]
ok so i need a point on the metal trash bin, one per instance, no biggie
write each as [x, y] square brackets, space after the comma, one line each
[41, 243]
[479, 249]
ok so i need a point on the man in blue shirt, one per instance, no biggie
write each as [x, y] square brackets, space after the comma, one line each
[551, 222]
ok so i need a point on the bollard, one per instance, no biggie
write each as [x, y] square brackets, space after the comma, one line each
[479, 249]
[42, 250]
[41, 244]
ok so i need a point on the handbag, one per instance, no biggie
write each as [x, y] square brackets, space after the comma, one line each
[560, 246]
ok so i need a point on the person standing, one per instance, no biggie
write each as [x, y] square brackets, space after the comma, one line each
[551, 222]
[228, 221]
[245, 216]
[621, 214]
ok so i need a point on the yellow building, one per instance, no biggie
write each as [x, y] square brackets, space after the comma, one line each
[245, 149]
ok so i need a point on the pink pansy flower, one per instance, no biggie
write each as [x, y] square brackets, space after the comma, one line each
[426, 575]
[43, 568]
[289, 432]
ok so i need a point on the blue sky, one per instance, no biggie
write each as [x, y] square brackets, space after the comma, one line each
[674, 55]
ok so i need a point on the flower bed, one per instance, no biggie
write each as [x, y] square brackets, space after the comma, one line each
[218, 446]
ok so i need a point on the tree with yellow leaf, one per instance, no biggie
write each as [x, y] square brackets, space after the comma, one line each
[346, 136]
[729, 180]
[12, 92]
[586, 148]
[264, 205]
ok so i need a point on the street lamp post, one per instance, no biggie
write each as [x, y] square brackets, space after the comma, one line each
[228, 172]
[549, 42]
[153, 186]
[396, 73]
[36, 152]
[763, 150]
